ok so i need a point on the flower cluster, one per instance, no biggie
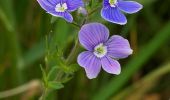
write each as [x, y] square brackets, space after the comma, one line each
[102, 51]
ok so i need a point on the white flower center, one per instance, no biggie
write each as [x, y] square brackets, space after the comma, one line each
[113, 3]
[100, 50]
[61, 7]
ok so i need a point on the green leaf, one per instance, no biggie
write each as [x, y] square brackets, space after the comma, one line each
[65, 80]
[50, 74]
[55, 85]
[43, 74]
[73, 68]
[70, 69]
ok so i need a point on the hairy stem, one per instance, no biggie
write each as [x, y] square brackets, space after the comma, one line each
[73, 52]
[44, 94]
[71, 57]
[75, 24]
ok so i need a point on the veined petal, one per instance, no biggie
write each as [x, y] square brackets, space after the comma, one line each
[129, 6]
[106, 3]
[90, 63]
[66, 15]
[46, 5]
[113, 14]
[93, 34]
[53, 2]
[118, 47]
[111, 66]
[74, 4]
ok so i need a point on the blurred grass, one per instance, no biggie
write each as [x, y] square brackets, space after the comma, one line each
[24, 26]
[137, 90]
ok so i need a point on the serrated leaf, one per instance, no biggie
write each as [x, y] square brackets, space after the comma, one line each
[55, 85]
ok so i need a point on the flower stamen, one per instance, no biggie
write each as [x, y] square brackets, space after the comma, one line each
[61, 7]
[100, 50]
[113, 3]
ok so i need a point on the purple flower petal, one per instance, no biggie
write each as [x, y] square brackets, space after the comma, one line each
[111, 66]
[66, 15]
[90, 63]
[92, 34]
[46, 5]
[106, 3]
[129, 6]
[74, 4]
[118, 47]
[112, 14]
[53, 2]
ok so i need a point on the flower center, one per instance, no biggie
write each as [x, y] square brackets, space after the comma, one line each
[100, 50]
[61, 7]
[113, 3]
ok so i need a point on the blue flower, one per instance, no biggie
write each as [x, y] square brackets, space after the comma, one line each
[111, 10]
[102, 51]
[61, 8]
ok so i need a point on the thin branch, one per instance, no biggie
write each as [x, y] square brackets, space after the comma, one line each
[93, 11]
[75, 24]
[77, 44]
[73, 52]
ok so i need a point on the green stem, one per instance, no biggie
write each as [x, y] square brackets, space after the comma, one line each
[43, 96]
[94, 10]
[68, 61]
[75, 24]
[71, 56]
[46, 89]
[73, 52]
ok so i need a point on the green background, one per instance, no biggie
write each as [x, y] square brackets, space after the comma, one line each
[25, 27]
